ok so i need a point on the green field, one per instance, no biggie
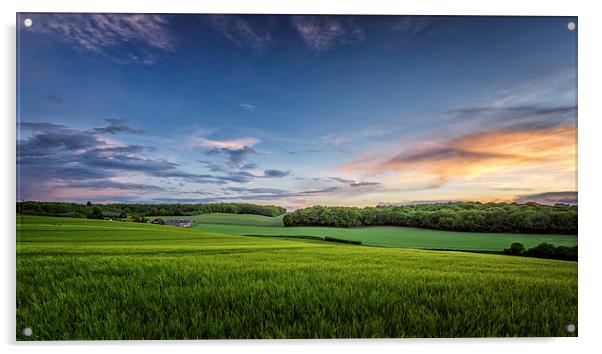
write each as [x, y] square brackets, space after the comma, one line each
[87, 279]
[388, 236]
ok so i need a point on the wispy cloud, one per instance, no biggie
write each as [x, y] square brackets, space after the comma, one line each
[121, 38]
[274, 194]
[239, 173]
[234, 144]
[353, 183]
[478, 153]
[247, 107]
[550, 198]
[351, 137]
[239, 30]
[521, 117]
[412, 25]
[55, 99]
[322, 33]
[118, 125]
[310, 151]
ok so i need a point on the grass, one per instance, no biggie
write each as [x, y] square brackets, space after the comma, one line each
[87, 279]
[389, 236]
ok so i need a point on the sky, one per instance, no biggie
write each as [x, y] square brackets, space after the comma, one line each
[296, 110]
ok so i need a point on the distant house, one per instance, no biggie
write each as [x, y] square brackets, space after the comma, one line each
[158, 221]
[180, 223]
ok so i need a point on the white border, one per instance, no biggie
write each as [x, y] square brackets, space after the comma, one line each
[590, 114]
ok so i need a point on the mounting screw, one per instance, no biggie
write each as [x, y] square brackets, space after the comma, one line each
[570, 328]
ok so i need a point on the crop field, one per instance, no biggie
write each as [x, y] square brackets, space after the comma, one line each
[88, 279]
[389, 236]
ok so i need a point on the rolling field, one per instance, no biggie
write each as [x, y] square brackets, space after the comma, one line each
[388, 236]
[87, 279]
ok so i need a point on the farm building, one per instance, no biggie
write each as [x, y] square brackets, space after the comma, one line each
[158, 221]
[180, 223]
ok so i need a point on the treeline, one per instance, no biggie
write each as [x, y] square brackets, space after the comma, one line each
[543, 250]
[96, 211]
[453, 216]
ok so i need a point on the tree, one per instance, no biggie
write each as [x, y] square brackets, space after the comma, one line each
[516, 249]
[95, 213]
[89, 203]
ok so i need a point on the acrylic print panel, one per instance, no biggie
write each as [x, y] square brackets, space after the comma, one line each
[255, 176]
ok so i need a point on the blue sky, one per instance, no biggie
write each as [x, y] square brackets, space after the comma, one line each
[296, 110]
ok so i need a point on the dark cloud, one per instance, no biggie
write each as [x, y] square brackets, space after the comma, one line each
[272, 194]
[442, 154]
[519, 117]
[235, 156]
[257, 190]
[118, 126]
[550, 198]
[511, 189]
[275, 173]
[365, 184]
[80, 158]
[417, 202]
[55, 99]
[248, 166]
[241, 175]
[353, 183]
[342, 180]
[303, 152]
[113, 185]
[41, 126]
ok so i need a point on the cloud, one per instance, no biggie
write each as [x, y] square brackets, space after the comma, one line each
[275, 173]
[353, 183]
[322, 33]
[549, 198]
[342, 180]
[480, 153]
[248, 166]
[311, 151]
[241, 175]
[120, 38]
[108, 184]
[436, 154]
[40, 126]
[235, 144]
[118, 126]
[247, 107]
[235, 156]
[236, 150]
[417, 202]
[412, 25]
[55, 99]
[365, 184]
[239, 30]
[354, 136]
[274, 194]
[256, 190]
[56, 159]
[521, 117]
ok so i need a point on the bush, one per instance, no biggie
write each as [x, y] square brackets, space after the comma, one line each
[516, 249]
[544, 250]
